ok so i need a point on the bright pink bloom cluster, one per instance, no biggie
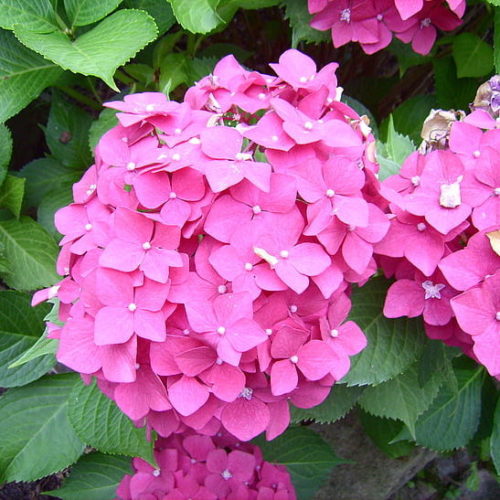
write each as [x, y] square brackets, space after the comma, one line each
[372, 23]
[209, 251]
[440, 202]
[192, 466]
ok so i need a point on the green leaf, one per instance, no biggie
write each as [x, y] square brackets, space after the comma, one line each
[99, 51]
[11, 194]
[21, 325]
[398, 146]
[393, 344]
[198, 17]
[106, 121]
[35, 15]
[473, 56]
[5, 150]
[297, 14]
[31, 253]
[173, 72]
[437, 359]
[409, 117]
[387, 167]
[159, 10]
[407, 57]
[36, 436]
[83, 12]
[495, 439]
[307, 457]
[199, 67]
[496, 40]
[452, 92]
[340, 400]
[381, 431]
[51, 202]
[452, 419]
[94, 477]
[42, 347]
[23, 75]
[101, 424]
[401, 398]
[67, 131]
[44, 175]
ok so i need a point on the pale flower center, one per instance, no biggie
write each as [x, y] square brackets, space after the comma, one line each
[424, 23]
[156, 473]
[432, 291]
[421, 226]
[450, 194]
[269, 331]
[497, 315]
[334, 333]
[131, 166]
[294, 359]
[176, 157]
[415, 180]
[330, 193]
[247, 393]
[274, 138]
[221, 330]
[284, 254]
[172, 195]
[88, 227]
[345, 16]
[270, 259]
[146, 245]
[293, 308]
[256, 209]
[248, 266]
[226, 474]
[132, 307]
[497, 191]
[308, 125]
[222, 289]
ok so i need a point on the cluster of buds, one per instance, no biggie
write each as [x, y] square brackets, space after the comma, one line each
[372, 23]
[442, 246]
[192, 466]
[210, 250]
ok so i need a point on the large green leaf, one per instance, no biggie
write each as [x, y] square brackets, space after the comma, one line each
[23, 75]
[106, 121]
[198, 17]
[36, 15]
[159, 10]
[452, 419]
[299, 18]
[473, 56]
[67, 131]
[495, 439]
[100, 423]
[11, 194]
[5, 150]
[20, 327]
[37, 438]
[308, 458]
[393, 344]
[340, 400]
[51, 202]
[44, 175]
[382, 431]
[31, 253]
[496, 40]
[83, 12]
[402, 397]
[94, 477]
[99, 51]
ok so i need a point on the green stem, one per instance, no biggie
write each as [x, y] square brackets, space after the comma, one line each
[93, 90]
[78, 96]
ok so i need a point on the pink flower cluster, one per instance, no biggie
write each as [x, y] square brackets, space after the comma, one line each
[192, 466]
[209, 251]
[372, 23]
[443, 208]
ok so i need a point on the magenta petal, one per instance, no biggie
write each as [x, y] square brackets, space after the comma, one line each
[122, 255]
[242, 464]
[280, 419]
[474, 313]
[356, 252]
[404, 298]
[119, 361]
[187, 395]
[150, 325]
[284, 378]
[245, 418]
[246, 334]
[315, 359]
[228, 381]
[113, 325]
[293, 278]
[193, 361]
[309, 258]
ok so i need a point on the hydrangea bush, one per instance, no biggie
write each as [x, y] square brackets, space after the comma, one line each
[242, 252]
